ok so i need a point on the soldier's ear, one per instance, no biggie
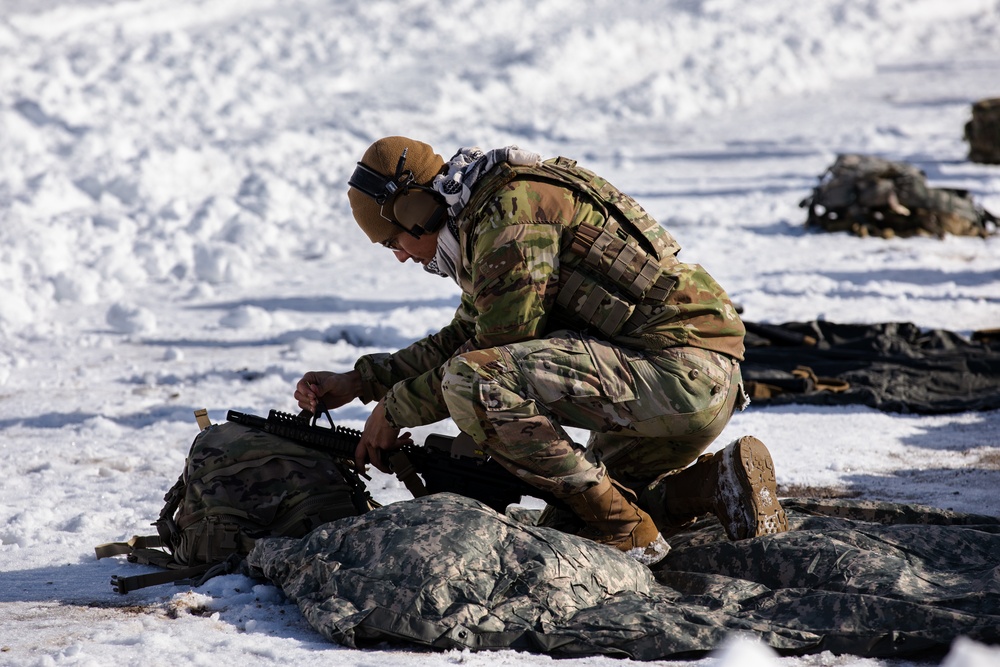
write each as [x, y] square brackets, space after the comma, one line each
[420, 210]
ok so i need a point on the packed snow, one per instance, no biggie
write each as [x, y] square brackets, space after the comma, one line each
[174, 234]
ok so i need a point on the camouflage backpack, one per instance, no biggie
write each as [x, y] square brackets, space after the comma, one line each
[870, 196]
[238, 484]
[983, 132]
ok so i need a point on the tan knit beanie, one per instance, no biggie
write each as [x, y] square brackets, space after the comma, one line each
[383, 156]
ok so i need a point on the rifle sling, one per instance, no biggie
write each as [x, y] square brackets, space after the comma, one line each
[407, 474]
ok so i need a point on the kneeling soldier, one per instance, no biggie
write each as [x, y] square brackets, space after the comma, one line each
[576, 312]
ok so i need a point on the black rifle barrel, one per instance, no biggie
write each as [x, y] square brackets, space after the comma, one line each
[475, 477]
[340, 441]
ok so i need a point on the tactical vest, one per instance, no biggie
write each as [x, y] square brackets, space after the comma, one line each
[612, 277]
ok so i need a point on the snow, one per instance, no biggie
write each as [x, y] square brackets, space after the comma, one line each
[174, 234]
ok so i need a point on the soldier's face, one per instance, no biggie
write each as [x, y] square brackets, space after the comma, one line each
[420, 250]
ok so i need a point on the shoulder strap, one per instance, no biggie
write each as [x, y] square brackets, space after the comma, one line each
[564, 172]
[109, 549]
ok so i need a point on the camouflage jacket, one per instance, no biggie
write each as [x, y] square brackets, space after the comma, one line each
[516, 237]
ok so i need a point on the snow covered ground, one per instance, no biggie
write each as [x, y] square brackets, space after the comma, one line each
[174, 234]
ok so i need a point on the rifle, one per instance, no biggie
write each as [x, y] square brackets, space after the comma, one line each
[445, 463]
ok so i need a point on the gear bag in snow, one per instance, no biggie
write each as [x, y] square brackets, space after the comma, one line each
[983, 132]
[869, 196]
[238, 484]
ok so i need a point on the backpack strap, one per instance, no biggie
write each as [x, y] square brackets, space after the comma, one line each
[165, 525]
[109, 549]
[144, 549]
[124, 585]
[195, 575]
[201, 416]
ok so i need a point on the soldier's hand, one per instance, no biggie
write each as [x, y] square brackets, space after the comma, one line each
[378, 438]
[328, 389]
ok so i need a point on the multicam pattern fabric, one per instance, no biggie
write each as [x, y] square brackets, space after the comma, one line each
[870, 579]
[521, 238]
[518, 235]
[650, 412]
[240, 483]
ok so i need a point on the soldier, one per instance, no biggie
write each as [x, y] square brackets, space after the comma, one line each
[574, 312]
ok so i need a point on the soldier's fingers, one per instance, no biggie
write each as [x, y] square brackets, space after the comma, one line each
[303, 391]
[305, 399]
[360, 457]
[312, 383]
[375, 456]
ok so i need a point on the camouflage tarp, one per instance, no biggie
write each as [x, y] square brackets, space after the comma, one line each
[871, 579]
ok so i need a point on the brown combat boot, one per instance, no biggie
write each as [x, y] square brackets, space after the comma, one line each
[736, 484]
[612, 517]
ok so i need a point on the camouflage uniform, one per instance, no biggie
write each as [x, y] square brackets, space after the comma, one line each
[517, 360]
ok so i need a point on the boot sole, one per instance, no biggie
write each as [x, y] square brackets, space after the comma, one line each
[749, 491]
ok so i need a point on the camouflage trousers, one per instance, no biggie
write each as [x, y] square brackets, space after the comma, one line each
[649, 412]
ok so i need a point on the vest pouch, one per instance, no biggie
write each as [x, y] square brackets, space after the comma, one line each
[606, 251]
[587, 300]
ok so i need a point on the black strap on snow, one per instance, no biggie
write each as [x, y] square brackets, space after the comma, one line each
[196, 575]
[144, 549]
[125, 585]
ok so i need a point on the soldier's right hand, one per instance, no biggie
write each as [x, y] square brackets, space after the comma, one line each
[328, 389]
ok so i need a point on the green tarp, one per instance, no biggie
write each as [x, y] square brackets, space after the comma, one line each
[870, 579]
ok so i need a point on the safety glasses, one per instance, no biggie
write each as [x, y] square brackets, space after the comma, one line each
[414, 208]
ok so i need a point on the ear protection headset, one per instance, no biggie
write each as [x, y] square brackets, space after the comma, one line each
[414, 208]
